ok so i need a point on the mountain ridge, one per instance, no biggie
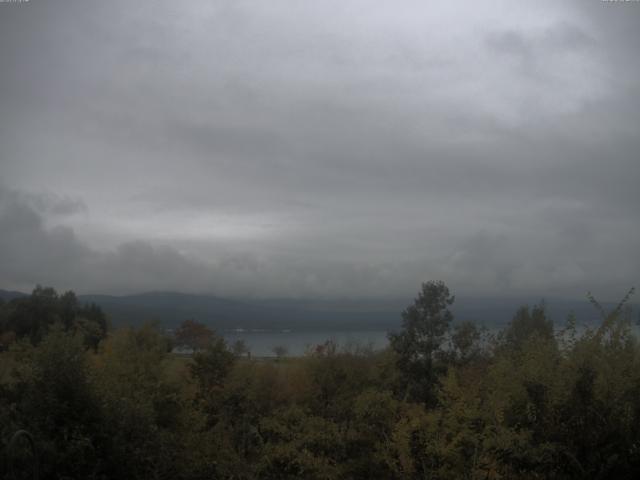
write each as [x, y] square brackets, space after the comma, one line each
[170, 308]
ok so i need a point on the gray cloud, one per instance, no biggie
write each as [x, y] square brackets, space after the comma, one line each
[551, 258]
[320, 149]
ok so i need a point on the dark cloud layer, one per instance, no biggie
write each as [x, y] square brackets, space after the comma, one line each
[320, 148]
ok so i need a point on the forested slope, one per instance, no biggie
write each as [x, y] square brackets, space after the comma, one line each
[444, 401]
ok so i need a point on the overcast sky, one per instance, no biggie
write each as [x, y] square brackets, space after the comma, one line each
[320, 148]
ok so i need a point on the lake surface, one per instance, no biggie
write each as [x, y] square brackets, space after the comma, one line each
[261, 343]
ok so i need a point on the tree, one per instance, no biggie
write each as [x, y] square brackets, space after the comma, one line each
[92, 323]
[465, 341]
[59, 406]
[30, 317]
[526, 323]
[425, 324]
[140, 403]
[33, 316]
[211, 366]
[194, 335]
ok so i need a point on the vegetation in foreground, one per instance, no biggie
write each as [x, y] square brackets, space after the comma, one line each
[444, 401]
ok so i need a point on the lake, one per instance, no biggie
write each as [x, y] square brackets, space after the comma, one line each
[261, 343]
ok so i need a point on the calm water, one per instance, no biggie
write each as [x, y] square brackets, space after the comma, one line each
[262, 343]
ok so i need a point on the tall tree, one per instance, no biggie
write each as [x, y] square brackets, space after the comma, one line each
[527, 323]
[425, 325]
[211, 366]
[33, 316]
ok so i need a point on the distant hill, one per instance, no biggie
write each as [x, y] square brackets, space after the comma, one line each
[171, 308]
[7, 295]
[497, 312]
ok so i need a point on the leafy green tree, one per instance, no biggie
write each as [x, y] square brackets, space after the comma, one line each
[336, 377]
[300, 445]
[141, 404]
[466, 342]
[425, 325]
[31, 317]
[211, 366]
[527, 322]
[58, 405]
[91, 322]
[368, 443]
